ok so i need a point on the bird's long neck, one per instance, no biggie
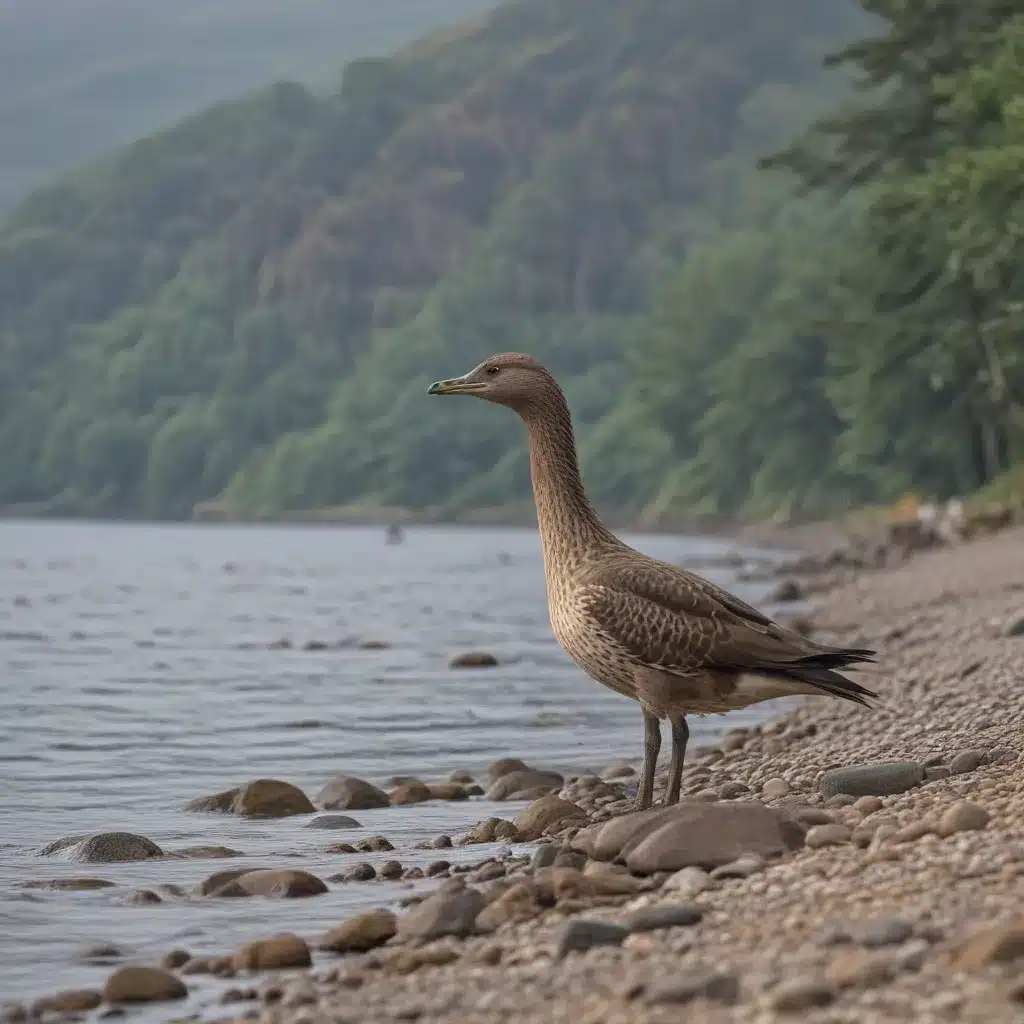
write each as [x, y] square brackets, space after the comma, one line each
[569, 526]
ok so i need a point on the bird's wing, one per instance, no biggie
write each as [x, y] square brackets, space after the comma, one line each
[684, 625]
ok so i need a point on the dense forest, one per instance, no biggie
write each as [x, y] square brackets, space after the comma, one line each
[80, 76]
[770, 287]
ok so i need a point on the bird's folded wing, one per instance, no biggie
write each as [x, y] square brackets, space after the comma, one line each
[695, 632]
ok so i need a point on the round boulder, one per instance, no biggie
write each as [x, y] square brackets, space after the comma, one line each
[348, 793]
[105, 848]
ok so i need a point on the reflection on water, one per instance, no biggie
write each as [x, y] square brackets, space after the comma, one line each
[145, 665]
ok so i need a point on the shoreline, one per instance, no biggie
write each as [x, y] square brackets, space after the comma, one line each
[892, 908]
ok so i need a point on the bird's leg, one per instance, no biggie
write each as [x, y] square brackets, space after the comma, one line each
[680, 734]
[652, 745]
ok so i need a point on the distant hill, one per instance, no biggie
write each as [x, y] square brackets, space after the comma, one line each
[80, 76]
[246, 308]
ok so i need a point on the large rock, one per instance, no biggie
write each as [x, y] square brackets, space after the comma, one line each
[545, 812]
[105, 848]
[74, 1000]
[270, 798]
[273, 954]
[521, 781]
[505, 766]
[449, 911]
[705, 835]
[132, 984]
[412, 791]
[358, 934]
[347, 793]
[280, 884]
[872, 779]
[261, 798]
[217, 802]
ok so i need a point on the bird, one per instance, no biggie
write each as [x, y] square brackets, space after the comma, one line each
[652, 631]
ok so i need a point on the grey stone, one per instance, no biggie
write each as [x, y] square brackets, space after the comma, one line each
[664, 915]
[1015, 626]
[883, 931]
[582, 934]
[705, 835]
[351, 794]
[544, 856]
[333, 821]
[449, 911]
[522, 781]
[872, 779]
[697, 983]
[105, 848]
[742, 867]
[967, 761]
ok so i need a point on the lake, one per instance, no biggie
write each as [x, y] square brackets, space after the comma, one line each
[144, 665]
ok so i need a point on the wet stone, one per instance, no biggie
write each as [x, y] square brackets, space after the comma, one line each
[361, 872]
[276, 952]
[105, 848]
[348, 793]
[358, 934]
[742, 867]
[437, 867]
[134, 984]
[332, 821]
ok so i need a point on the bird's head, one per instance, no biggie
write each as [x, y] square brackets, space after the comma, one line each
[511, 379]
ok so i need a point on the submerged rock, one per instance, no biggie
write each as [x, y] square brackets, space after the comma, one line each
[348, 793]
[260, 798]
[105, 848]
[134, 984]
[473, 659]
[280, 951]
[358, 934]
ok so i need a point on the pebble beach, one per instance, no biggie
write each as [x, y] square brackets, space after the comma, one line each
[835, 864]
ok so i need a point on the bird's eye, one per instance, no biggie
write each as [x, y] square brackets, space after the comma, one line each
[491, 371]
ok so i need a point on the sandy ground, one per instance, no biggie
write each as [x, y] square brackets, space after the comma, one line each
[905, 907]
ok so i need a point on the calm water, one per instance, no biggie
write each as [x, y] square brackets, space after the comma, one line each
[137, 672]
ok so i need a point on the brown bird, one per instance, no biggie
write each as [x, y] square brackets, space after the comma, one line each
[649, 630]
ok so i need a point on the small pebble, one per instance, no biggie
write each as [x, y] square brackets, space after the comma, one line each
[883, 931]
[775, 789]
[582, 934]
[963, 816]
[801, 994]
[967, 761]
[828, 835]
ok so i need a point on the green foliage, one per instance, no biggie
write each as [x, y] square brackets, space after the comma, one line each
[248, 308]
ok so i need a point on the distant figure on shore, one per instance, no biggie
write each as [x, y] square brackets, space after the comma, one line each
[394, 534]
[504, 558]
[663, 636]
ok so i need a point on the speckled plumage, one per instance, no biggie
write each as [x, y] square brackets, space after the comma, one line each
[667, 638]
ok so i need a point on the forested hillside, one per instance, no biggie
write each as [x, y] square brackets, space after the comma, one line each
[246, 309]
[80, 76]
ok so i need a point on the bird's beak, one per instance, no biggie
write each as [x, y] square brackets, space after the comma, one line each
[455, 386]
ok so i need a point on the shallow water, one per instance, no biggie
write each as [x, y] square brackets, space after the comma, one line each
[137, 672]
